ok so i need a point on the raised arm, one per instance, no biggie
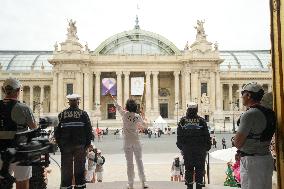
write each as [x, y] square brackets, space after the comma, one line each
[117, 106]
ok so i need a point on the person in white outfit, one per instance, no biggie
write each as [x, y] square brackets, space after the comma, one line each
[132, 123]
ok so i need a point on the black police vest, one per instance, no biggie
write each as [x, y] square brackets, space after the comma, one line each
[6, 122]
[268, 132]
[194, 133]
[72, 128]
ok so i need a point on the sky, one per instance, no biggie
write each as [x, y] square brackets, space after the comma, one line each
[38, 24]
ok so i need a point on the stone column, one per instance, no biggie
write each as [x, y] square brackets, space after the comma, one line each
[126, 86]
[231, 103]
[187, 88]
[119, 87]
[240, 97]
[195, 87]
[219, 92]
[61, 99]
[212, 91]
[155, 92]
[79, 87]
[54, 94]
[21, 97]
[86, 91]
[41, 98]
[148, 94]
[91, 92]
[177, 102]
[32, 97]
[98, 91]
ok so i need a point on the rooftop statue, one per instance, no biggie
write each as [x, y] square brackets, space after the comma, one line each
[72, 29]
[186, 46]
[200, 30]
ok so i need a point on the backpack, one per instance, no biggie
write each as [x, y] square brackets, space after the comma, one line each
[270, 128]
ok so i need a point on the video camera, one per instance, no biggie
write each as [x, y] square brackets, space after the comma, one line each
[30, 148]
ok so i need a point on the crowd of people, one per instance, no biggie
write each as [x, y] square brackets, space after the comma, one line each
[81, 162]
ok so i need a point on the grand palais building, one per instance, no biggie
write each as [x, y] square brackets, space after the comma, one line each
[138, 64]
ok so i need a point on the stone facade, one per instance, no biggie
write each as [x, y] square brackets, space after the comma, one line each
[171, 80]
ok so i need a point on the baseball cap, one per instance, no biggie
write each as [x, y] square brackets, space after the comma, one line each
[99, 151]
[12, 82]
[252, 87]
[73, 97]
[192, 105]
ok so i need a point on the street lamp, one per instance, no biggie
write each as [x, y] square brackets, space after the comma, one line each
[177, 111]
[234, 107]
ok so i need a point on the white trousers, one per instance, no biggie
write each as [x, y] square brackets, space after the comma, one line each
[129, 150]
[256, 172]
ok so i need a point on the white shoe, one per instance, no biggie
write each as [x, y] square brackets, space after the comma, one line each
[129, 187]
[144, 185]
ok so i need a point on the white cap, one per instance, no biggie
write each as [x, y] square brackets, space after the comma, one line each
[73, 97]
[192, 105]
[12, 82]
[252, 87]
[99, 151]
[176, 156]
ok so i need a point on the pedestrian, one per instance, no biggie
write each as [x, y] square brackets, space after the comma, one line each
[256, 128]
[214, 141]
[176, 169]
[14, 116]
[224, 143]
[73, 135]
[100, 160]
[232, 141]
[132, 123]
[91, 164]
[193, 139]
[149, 133]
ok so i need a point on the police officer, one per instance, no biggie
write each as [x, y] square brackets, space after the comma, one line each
[14, 117]
[73, 135]
[193, 140]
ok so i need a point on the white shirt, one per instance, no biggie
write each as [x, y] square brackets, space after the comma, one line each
[131, 122]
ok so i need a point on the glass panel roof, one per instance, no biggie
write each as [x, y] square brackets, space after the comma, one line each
[22, 62]
[5, 59]
[25, 60]
[237, 60]
[245, 60]
[137, 42]
[137, 48]
[42, 61]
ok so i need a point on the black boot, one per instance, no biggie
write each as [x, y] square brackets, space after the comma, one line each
[199, 186]
[190, 186]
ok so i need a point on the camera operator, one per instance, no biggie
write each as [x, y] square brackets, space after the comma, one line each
[15, 117]
[73, 135]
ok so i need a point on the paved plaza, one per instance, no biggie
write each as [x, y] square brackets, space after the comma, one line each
[158, 154]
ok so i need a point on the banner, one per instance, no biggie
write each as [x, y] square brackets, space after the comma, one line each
[109, 84]
[137, 85]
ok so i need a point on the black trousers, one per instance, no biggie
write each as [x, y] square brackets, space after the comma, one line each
[194, 162]
[73, 163]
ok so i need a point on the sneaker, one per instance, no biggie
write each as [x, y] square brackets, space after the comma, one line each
[144, 185]
[129, 187]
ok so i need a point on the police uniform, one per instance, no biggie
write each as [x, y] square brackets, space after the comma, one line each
[193, 140]
[73, 135]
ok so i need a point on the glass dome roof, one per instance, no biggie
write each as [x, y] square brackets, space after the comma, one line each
[258, 60]
[25, 60]
[137, 42]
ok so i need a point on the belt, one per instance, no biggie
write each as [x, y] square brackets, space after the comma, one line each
[243, 154]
